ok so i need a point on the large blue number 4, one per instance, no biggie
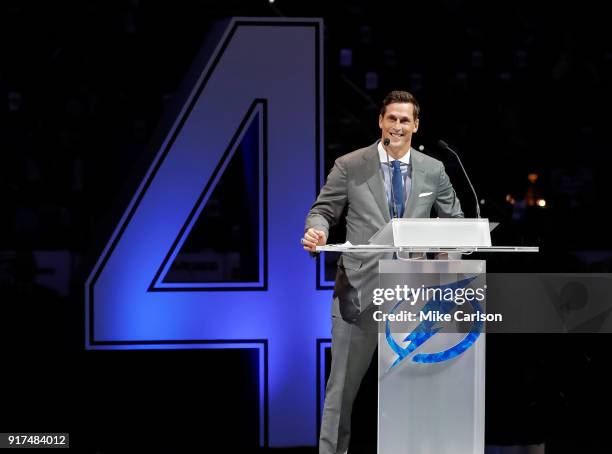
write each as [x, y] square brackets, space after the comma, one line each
[264, 70]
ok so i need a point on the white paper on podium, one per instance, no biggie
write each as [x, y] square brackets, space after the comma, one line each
[361, 246]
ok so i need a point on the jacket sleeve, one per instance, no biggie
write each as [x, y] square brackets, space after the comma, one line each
[447, 204]
[328, 208]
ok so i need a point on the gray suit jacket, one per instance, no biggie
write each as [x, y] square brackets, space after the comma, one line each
[355, 182]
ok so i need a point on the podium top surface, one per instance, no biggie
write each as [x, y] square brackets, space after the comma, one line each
[374, 248]
[442, 232]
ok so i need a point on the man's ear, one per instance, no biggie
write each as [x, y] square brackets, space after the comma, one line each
[380, 121]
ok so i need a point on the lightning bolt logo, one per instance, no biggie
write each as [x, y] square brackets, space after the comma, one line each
[427, 329]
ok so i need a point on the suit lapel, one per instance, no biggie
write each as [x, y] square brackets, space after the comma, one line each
[418, 176]
[375, 181]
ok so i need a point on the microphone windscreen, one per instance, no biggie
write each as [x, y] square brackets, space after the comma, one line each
[443, 144]
[386, 142]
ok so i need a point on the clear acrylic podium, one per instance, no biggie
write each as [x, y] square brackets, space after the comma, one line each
[428, 405]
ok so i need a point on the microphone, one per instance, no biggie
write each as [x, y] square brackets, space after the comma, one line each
[386, 143]
[443, 144]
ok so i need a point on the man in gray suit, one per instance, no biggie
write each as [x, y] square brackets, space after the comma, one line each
[387, 179]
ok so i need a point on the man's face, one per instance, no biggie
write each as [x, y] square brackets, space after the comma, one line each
[398, 124]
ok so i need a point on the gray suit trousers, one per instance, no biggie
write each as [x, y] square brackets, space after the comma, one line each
[353, 345]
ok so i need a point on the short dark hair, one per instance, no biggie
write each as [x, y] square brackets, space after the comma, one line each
[400, 96]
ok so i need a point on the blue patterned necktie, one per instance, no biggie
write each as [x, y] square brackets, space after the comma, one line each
[398, 188]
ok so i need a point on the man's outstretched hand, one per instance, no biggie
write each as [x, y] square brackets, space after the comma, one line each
[312, 239]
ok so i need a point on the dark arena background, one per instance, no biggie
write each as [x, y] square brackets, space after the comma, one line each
[155, 176]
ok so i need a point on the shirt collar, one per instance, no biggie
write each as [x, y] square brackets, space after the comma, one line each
[382, 155]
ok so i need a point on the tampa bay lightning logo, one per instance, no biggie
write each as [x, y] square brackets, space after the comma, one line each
[427, 329]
